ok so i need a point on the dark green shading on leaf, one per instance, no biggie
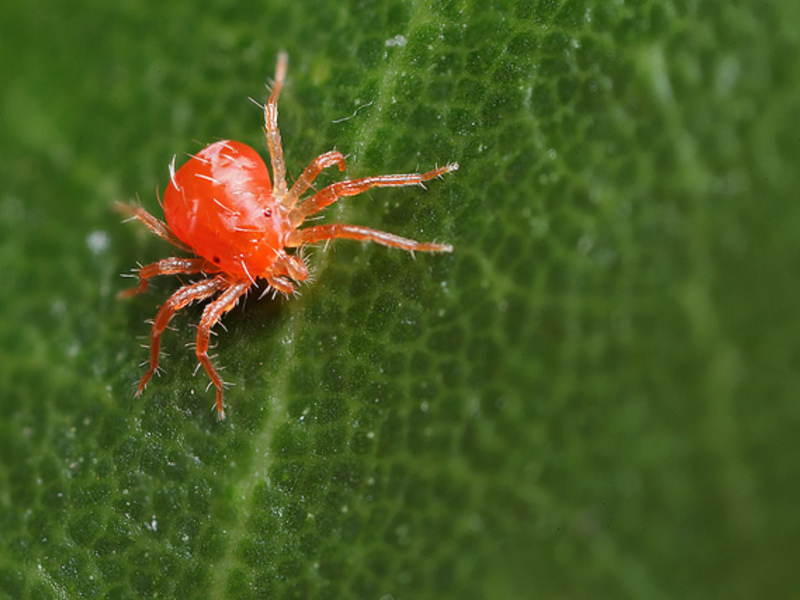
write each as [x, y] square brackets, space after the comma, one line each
[592, 397]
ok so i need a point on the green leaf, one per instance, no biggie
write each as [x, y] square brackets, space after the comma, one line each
[593, 396]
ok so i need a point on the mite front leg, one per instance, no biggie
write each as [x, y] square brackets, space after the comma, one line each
[168, 266]
[160, 228]
[179, 300]
[353, 187]
[211, 315]
[307, 178]
[364, 234]
[271, 129]
[281, 284]
[286, 269]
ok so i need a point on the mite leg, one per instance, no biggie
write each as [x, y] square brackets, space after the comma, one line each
[169, 266]
[281, 284]
[353, 187]
[307, 178]
[179, 300]
[287, 267]
[212, 314]
[160, 228]
[271, 128]
[364, 234]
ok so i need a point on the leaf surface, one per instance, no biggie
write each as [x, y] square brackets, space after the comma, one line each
[594, 395]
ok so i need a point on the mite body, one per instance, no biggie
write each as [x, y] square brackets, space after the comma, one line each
[241, 227]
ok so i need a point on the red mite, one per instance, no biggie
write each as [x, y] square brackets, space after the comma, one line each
[221, 207]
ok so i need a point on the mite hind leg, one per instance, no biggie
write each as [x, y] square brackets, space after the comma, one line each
[178, 301]
[160, 228]
[211, 316]
[168, 266]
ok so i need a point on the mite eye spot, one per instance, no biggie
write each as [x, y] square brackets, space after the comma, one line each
[216, 260]
[267, 212]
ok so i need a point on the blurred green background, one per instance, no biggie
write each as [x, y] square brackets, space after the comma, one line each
[594, 396]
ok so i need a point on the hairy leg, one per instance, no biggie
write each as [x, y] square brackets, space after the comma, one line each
[271, 128]
[179, 300]
[353, 187]
[286, 269]
[212, 314]
[169, 266]
[305, 180]
[364, 234]
[160, 228]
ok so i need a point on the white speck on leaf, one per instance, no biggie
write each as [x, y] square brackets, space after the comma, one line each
[398, 40]
[97, 242]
